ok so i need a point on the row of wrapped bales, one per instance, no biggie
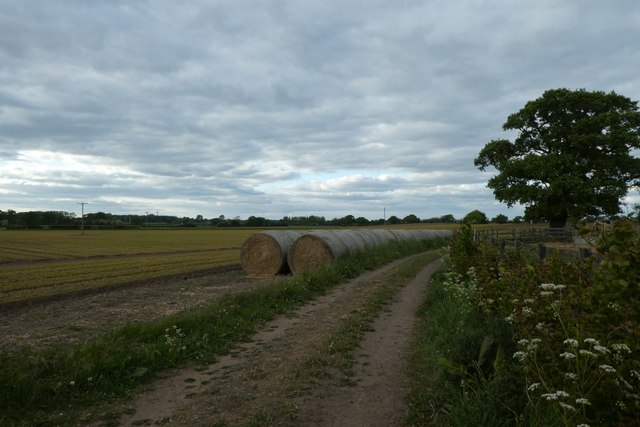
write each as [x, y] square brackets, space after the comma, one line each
[272, 252]
[325, 247]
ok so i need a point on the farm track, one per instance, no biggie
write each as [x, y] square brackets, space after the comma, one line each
[278, 377]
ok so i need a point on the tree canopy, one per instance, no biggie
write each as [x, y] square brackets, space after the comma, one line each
[572, 156]
[475, 217]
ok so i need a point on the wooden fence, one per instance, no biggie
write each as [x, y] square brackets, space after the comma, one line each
[536, 240]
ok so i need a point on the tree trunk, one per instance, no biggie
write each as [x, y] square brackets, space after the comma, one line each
[559, 222]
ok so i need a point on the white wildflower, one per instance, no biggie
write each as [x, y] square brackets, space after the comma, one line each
[588, 353]
[570, 341]
[547, 286]
[562, 394]
[621, 405]
[619, 348]
[583, 425]
[567, 406]
[591, 341]
[582, 401]
[520, 356]
[601, 349]
[526, 311]
[540, 326]
[550, 396]
[608, 369]
[571, 376]
[567, 355]
[523, 342]
[529, 301]
[72, 383]
[534, 387]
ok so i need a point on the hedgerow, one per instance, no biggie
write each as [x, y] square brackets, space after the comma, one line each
[566, 333]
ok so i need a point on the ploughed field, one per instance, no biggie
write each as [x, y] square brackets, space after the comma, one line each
[43, 263]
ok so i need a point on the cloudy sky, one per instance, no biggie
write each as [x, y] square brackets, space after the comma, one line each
[285, 107]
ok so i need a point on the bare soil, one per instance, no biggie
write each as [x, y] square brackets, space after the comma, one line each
[278, 378]
[68, 319]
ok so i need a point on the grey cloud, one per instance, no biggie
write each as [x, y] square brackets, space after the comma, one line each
[233, 106]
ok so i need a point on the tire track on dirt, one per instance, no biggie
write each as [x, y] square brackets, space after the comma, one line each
[267, 381]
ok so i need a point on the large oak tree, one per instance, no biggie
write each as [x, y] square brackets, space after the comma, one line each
[573, 155]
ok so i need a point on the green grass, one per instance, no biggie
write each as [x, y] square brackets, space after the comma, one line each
[39, 385]
[455, 381]
[340, 346]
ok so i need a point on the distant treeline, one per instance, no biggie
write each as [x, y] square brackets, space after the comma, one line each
[64, 220]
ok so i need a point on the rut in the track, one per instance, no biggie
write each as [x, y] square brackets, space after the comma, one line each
[267, 381]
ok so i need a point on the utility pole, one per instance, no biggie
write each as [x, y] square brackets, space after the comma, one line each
[384, 215]
[82, 217]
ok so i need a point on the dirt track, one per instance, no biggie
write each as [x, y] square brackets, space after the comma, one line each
[276, 379]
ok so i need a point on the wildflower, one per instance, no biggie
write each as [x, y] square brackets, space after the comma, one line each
[619, 348]
[523, 342]
[520, 356]
[562, 394]
[534, 387]
[591, 341]
[601, 349]
[540, 326]
[529, 301]
[547, 286]
[571, 376]
[567, 355]
[582, 401]
[567, 406]
[621, 405]
[588, 353]
[509, 318]
[526, 311]
[570, 341]
[72, 383]
[550, 396]
[608, 369]
[614, 306]
[583, 425]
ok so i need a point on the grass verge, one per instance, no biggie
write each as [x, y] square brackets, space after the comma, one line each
[456, 362]
[48, 387]
[338, 350]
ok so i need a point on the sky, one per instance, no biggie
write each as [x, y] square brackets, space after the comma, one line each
[280, 108]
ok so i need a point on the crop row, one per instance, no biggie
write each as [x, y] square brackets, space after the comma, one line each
[45, 244]
[20, 282]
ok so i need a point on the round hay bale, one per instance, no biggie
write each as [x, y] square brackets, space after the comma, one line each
[265, 254]
[311, 251]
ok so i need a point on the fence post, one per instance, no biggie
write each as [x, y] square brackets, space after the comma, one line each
[542, 251]
[502, 246]
[584, 253]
